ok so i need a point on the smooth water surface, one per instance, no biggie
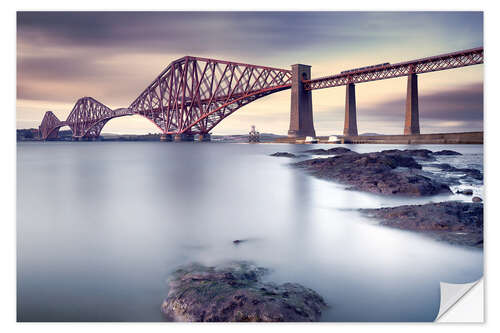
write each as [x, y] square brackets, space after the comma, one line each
[100, 225]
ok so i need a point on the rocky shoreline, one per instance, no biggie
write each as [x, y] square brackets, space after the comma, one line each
[399, 173]
[235, 292]
[389, 172]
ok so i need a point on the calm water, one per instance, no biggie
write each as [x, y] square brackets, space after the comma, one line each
[100, 226]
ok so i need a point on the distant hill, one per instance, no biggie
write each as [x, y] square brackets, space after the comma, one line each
[370, 134]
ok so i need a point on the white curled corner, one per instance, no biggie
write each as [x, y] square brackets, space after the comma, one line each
[451, 294]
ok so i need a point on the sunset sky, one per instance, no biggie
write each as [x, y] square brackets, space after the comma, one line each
[113, 56]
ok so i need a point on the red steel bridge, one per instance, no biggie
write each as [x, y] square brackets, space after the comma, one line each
[192, 95]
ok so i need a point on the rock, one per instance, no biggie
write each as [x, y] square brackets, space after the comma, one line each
[387, 172]
[472, 173]
[415, 153]
[283, 154]
[477, 199]
[456, 222]
[331, 151]
[316, 151]
[339, 150]
[443, 166]
[235, 292]
[238, 241]
[466, 192]
[447, 152]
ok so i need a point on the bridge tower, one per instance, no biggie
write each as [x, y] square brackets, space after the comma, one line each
[350, 123]
[301, 117]
[412, 123]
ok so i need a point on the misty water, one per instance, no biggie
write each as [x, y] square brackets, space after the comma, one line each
[100, 225]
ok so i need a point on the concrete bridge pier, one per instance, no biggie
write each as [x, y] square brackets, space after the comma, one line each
[301, 117]
[412, 123]
[350, 123]
[204, 137]
[166, 137]
[183, 137]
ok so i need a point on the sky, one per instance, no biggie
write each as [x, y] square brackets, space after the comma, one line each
[113, 56]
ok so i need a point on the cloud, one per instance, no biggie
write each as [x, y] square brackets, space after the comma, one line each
[464, 104]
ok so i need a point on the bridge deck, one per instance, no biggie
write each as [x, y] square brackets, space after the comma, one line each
[431, 64]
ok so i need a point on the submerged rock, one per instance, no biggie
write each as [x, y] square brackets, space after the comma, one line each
[386, 172]
[235, 292]
[477, 199]
[447, 152]
[456, 222]
[425, 154]
[283, 154]
[465, 192]
[469, 172]
[331, 151]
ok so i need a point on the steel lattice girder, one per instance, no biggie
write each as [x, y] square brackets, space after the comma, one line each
[49, 125]
[425, 65]
[89, 116]
[192, 95]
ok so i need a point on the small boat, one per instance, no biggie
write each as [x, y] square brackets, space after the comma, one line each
[310, 139]
[333, 139]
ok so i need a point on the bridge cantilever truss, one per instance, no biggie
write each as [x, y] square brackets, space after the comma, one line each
[86, 119]
[192, 95]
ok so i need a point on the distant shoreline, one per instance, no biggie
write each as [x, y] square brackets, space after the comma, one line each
[437, 138]
[30, 135]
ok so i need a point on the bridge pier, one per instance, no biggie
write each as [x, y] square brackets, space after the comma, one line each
[350, 123]
[183, 137]
[412, 123]
[301, 117]
[204, 137]
[166, 137]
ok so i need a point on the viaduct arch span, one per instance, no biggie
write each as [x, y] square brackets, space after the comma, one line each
[193, 95]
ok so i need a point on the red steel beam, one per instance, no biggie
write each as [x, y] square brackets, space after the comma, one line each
[425, 65]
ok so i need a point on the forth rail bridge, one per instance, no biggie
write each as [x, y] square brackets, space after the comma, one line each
[192, 95]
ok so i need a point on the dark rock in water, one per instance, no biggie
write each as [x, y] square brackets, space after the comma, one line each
[447, 152]
[443, 166]
[339, 150]
[477, 199]
[415, 153]
[283, 154]
[316, 151]
[466, 192]
[238, 241]
[456, 222]
[387, 172]
[236, 293]
[331, 151]
[472, 173]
